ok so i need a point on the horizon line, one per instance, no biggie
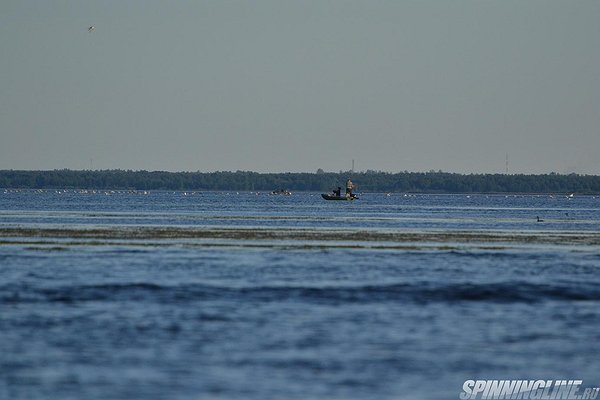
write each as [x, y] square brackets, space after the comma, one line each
[318, 171]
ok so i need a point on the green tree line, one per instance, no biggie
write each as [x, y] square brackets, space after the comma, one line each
[370, 181]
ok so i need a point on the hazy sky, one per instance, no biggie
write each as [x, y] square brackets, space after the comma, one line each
[275, 86]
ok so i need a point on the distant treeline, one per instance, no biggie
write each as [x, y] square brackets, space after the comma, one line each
[370, 181]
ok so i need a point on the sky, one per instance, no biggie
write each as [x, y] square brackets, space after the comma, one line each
[293, 86]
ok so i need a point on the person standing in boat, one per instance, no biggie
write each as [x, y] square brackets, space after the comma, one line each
[349, 187]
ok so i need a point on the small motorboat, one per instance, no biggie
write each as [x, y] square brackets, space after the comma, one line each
[327, 196]
[337, 194]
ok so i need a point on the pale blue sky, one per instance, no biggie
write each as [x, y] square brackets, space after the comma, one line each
[275, 86]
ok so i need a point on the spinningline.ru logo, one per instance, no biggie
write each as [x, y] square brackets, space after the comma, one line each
[527, 389]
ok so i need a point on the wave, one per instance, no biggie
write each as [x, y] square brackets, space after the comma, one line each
[504, 292]
[140, 235]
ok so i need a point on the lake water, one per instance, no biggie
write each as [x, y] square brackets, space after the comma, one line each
[196, 295]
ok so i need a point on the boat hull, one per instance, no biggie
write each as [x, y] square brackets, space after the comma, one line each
[339, 198]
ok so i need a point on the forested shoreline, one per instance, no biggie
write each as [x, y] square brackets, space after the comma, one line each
[370, 181]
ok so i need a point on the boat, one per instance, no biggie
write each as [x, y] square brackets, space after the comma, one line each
[283, 192]
[337, 194]
[327, 196]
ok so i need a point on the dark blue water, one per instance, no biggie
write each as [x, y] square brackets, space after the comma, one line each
[202, 306]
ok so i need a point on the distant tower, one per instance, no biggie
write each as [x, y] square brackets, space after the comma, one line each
[352, 170]
[506, 163]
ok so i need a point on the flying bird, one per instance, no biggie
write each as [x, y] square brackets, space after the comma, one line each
[91, 28]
